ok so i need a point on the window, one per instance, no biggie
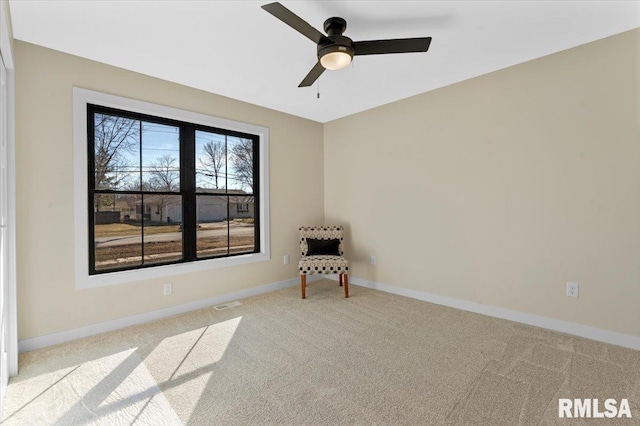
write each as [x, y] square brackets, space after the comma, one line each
[166, 191]
[186, 176]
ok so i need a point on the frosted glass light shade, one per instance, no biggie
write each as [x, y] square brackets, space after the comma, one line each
[335, 60]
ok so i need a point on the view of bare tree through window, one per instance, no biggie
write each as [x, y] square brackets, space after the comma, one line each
[116, 152]
[224, 180]
[116, 157]
[241, 159]
[138, 198]
[211, 163]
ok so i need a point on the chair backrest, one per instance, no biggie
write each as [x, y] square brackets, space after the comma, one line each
[320, 233]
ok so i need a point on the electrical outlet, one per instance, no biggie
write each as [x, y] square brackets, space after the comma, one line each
[286, 259]
[373, 260]
[572, 289]
[168, 289]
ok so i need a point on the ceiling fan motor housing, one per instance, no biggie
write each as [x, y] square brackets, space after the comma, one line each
[336, 44]
[335, 41]
[335, 26]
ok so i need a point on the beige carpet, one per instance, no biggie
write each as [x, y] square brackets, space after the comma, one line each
[375, 358]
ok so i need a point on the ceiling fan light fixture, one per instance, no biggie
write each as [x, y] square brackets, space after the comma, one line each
[335, 57]
[335, 60]
[335, 51]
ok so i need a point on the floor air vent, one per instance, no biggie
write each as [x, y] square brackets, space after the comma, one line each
[227, 305]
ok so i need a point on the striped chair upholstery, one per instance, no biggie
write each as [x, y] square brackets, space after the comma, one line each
[322, 264]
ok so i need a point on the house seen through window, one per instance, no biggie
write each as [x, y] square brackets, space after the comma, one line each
[163, 191]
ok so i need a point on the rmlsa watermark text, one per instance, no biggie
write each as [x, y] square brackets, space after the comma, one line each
[592, 408]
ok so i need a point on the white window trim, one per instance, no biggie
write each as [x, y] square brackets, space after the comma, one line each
[82, 97]
[11, 302]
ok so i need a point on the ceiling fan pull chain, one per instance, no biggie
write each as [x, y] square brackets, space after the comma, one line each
[318, 88]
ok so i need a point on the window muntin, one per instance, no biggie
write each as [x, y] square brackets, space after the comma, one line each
[149, 178]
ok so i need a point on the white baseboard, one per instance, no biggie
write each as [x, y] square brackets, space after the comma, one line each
[606, 336]
[90, 330]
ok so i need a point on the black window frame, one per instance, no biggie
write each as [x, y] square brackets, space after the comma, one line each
[188, 190]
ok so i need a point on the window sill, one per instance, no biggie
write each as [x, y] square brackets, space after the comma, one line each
[122, 277]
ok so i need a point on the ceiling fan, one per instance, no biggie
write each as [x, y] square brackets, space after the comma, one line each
[336, 51]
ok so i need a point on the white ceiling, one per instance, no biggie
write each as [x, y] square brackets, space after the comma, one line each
[235, 49]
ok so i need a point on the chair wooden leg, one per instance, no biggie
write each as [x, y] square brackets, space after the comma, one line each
[340, 279]
[345, 279]
[303, 285]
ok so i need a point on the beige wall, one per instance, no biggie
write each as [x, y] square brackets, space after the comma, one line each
[47, 299]
[496, 190]
[500, 189]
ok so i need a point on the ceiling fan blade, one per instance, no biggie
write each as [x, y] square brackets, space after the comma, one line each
[398, 45]
[294, 21]
[313, 75]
